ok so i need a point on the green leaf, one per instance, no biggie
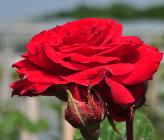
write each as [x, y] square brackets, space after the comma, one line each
[143, 130]
[113, 125]
[78, 136]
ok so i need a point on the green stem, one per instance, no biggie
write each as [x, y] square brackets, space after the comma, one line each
[129, 124]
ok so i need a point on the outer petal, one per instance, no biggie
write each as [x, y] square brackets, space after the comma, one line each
[43, 77]
[138, 91]
[23, 87]
[116, 112]
[119, 113]
[120, 94]
[35, 74]
[146, 63]
[41, 60]
[27, 88]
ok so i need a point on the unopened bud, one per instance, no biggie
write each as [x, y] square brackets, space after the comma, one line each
[85, 114]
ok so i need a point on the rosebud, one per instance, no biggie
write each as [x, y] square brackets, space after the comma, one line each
[85, 110]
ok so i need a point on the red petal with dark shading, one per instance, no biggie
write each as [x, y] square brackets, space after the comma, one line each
[146, 63]
[120, 94]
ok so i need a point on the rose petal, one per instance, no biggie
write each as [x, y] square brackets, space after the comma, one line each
[146, 63]
[54, 58]
[114, 35]
[84, 59]
[120, 94]
[41, 60]
[120, 68]
[42, 77]
[34, 74]
[90, 76]
[24, 86]
[126, 45]
[138, 91]
[116, 112]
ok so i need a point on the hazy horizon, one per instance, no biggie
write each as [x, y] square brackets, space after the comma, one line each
[20, 9]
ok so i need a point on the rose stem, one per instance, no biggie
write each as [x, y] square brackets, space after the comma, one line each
[129, 124]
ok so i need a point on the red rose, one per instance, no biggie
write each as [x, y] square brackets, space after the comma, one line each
[86, 52]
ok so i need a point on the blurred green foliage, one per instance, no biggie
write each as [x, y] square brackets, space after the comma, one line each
[119, 11]
[157, 119]
[13, 121]
[143, 130]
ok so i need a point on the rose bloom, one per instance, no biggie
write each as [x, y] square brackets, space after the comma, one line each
[92, 55]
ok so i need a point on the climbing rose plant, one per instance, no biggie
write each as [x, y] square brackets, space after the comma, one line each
[92, 66]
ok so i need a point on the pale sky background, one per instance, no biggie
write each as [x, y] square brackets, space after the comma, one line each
[20, 9]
